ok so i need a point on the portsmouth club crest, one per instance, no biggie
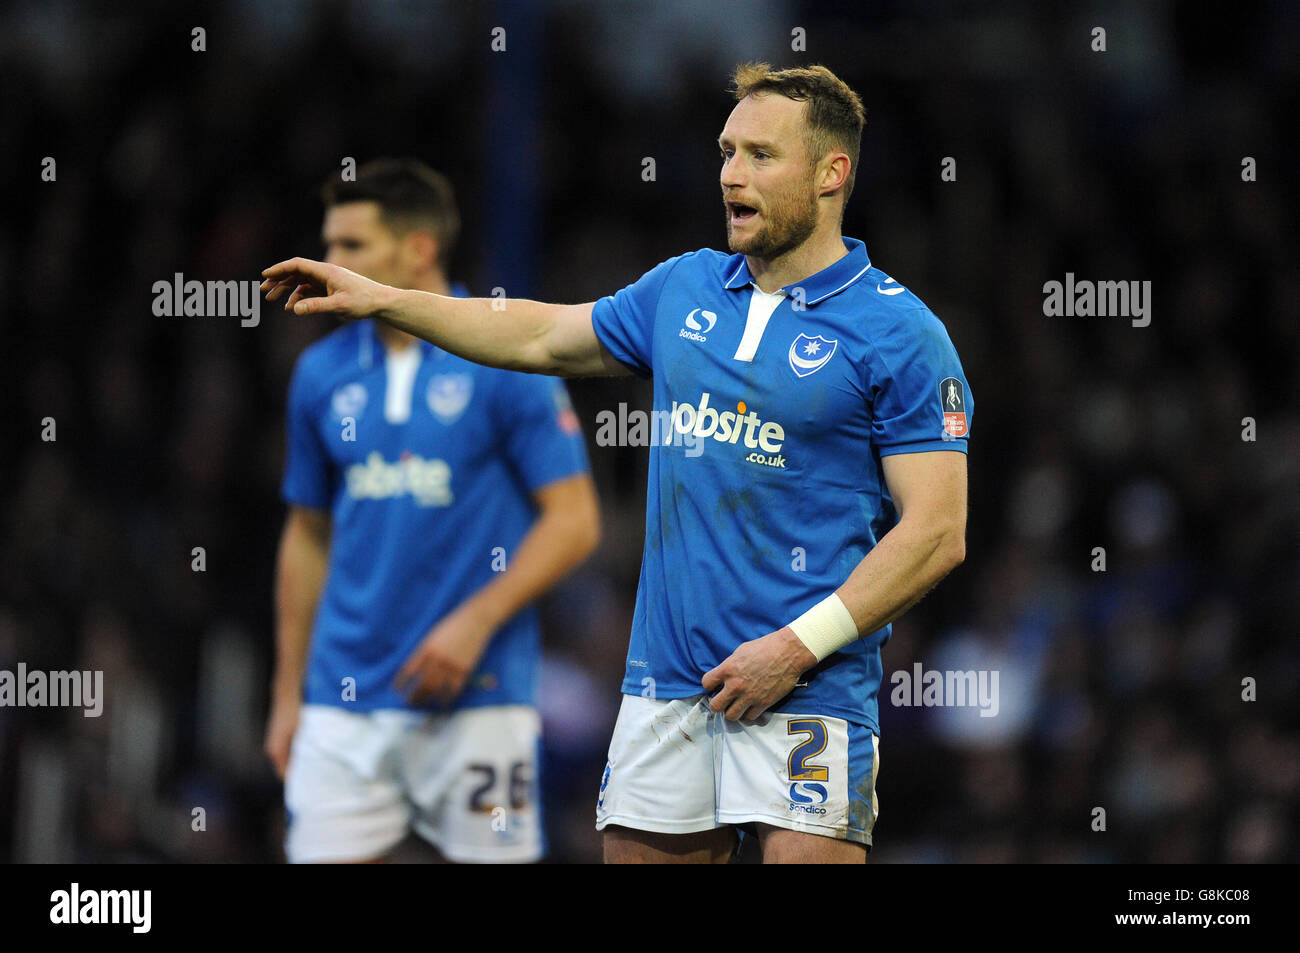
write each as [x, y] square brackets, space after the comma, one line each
[449, 395]
[952, 398]
[809, 354]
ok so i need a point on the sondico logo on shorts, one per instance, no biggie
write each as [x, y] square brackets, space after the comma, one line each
[808, 791]
[732, 426]
[806, 797]
[428, 481]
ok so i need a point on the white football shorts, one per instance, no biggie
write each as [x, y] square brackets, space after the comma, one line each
[465, 781]
[677, 767]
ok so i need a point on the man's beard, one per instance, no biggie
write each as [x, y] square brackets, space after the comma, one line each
[786, 226]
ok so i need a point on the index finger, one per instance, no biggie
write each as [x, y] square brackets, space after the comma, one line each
[295, 266]
[723, 699]
[404, 674]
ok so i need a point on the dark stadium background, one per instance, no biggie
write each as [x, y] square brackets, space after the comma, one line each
[1119, 689]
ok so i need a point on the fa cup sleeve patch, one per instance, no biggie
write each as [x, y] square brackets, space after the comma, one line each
[952, 398]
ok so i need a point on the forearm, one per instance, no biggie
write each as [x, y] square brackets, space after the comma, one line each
[908, 562]
[513, 333]
[928, 542]
[509, 333]
[556, 542]
[299, 580]
[292, 642]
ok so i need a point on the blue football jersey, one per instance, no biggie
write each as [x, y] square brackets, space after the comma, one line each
[426, 463]
[766, 487]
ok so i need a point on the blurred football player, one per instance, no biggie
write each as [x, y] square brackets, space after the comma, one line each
[431, 501]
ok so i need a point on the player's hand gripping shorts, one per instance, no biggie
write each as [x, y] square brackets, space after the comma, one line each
[464, 781]
[677, 767]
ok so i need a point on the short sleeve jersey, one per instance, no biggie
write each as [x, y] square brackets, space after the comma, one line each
[426, 464]
[772, 415]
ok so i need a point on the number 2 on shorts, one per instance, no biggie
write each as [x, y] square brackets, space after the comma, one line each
[810, 747]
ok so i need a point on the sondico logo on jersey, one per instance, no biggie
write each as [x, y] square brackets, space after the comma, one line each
[697, 327]
[427, 481]
[739, 426]
[349, 401]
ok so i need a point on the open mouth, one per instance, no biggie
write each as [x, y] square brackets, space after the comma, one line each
[739, 213]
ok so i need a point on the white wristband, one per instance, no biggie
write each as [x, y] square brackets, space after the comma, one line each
[825, 628]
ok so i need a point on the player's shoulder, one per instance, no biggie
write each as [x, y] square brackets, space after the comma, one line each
[891, 307]
[713, 259]
[340, 346]
[340, 354]
[719, 265]
[887, 297]
[708, 262]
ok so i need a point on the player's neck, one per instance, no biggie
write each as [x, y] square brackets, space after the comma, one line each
[396, 341]
[820, 251]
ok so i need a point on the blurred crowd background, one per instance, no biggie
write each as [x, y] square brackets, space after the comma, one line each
[1120, 689]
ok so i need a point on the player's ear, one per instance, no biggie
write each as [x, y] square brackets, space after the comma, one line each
[835, 174]
[421, 249]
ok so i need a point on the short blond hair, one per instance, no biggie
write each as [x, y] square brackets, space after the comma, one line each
[835, 112]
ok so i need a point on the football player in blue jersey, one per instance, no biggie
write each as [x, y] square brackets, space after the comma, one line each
[812, 489]
[431, 501]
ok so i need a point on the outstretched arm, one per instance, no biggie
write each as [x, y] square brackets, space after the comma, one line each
[514, 333]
